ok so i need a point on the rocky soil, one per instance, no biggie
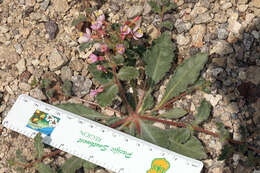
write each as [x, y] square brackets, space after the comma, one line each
[37, 42]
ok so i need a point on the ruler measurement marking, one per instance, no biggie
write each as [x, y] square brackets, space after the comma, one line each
[120, 137]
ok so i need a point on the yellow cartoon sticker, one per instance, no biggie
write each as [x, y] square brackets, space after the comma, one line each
[159, 165]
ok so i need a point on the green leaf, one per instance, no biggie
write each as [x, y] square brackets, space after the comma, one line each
[155, 6]
[11, 161]
[185, 75]
[100, 76]
[131, 100]
[154, 134]
[182, 142]
[78, 20]
[42, 168]
[127, 73]
[226, 152]
[72, 164]
[107, 96]
[113, 120]
[159, 57]
[67, 87]
[118, 59]
[165, 2]
[82, 110]
[167, 25]
[20, 157]
[38, 145]
[170, 7]
[180, 135]
[46, 83]
[148, 102]
[20, 169]
[174, 113]
[224, 134]
[88, 166]
[203, 112]
[85, 45]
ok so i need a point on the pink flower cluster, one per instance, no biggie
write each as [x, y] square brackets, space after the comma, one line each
[136, 32]
[96, 25]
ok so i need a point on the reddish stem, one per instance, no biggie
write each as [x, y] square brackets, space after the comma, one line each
[43, 157]
[197, 129]
[118, 123]
[121, 90]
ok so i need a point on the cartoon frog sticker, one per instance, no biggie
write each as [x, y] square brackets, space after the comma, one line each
[159, 165]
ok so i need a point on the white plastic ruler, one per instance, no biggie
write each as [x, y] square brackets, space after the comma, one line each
[94, 142]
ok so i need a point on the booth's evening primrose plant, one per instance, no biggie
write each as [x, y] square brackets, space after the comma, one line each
[129, 70]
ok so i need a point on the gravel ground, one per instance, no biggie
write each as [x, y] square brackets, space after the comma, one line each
[37, 41]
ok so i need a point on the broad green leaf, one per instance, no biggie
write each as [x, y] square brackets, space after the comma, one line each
[42, 168]
[78, 20]
[85, 45]
[127, 73]
[181, 142]
[38, 145]
[72, 164]
[118, 59]
[155, 6]
[185, 75]
[100, 76]
[180, 135]
[167, 24]
[174, 113]
[154, 134]
[20, 169]
[67, 87]
[107, 96]
[148, 102]
[88, 166]
[203, 112]
[82, 110]
[113, 120]
[20, 157]
[159, 57]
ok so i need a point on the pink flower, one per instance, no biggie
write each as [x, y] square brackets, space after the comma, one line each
[102, 47]
[137, 33]
[96, 25]
[136, 18]
[85, 37]
[92, 58]
[101, 58]
[120, 48]
[101, 18]
[125, 29]
[101, 68]
[93, 93]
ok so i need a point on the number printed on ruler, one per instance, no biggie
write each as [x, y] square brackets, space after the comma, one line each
[94, 142]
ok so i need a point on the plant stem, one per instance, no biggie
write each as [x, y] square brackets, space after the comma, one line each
[161, 106]
[43, 157]
[140, 102]
[121, 90]
[109, 108]
[197, 129]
